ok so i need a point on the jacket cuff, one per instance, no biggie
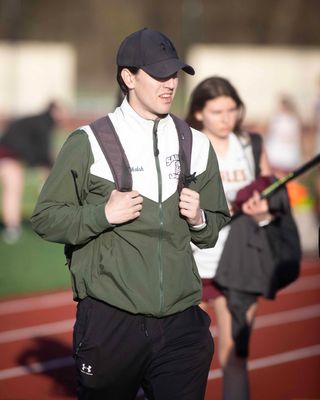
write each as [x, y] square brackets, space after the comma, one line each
[200, 226]
[101, 219]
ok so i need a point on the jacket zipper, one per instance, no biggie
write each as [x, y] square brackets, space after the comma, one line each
[75, 176]
[156, 155]
[68, 248]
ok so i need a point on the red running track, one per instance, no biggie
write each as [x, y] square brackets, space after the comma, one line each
[36, 335]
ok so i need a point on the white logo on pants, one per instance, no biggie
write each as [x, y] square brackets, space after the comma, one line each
[86, 369]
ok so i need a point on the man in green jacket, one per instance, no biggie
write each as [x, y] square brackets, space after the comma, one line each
[133, 273]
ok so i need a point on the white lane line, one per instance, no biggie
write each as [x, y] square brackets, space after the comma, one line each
[36, 303]
[283, 317]
[37, 331]
[280, 318]
[302, 284]
[65, 298]
[276, 359]
[36, 368]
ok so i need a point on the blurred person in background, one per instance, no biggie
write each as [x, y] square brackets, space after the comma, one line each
[283, 138]
[316, 121]
[218, 111]
[25, 142]
[134, 276]
[286, 151]
[316, 129]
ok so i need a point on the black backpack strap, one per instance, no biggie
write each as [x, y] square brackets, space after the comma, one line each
[113, 151]
[256, 143]
[185, 149]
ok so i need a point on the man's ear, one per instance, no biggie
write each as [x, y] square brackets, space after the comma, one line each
[128, 78]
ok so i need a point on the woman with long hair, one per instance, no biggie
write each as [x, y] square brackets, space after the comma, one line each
[217, 110]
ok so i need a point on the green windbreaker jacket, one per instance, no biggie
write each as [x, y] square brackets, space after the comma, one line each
[144, 266]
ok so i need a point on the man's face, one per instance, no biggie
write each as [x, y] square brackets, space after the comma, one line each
[151, 98]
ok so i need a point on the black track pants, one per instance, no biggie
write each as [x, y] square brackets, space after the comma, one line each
[117, 352]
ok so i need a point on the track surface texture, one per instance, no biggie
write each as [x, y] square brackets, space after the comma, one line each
[36, 335]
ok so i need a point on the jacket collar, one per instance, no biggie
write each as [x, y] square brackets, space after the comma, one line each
[128, 111]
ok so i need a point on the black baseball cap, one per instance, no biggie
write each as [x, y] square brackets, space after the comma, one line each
[153, 52]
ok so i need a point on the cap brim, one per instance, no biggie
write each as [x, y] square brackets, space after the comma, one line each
[166, 68]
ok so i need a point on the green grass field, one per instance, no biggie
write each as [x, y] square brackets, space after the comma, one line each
[32, 264]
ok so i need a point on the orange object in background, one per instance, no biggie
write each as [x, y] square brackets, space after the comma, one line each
[298, 193]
